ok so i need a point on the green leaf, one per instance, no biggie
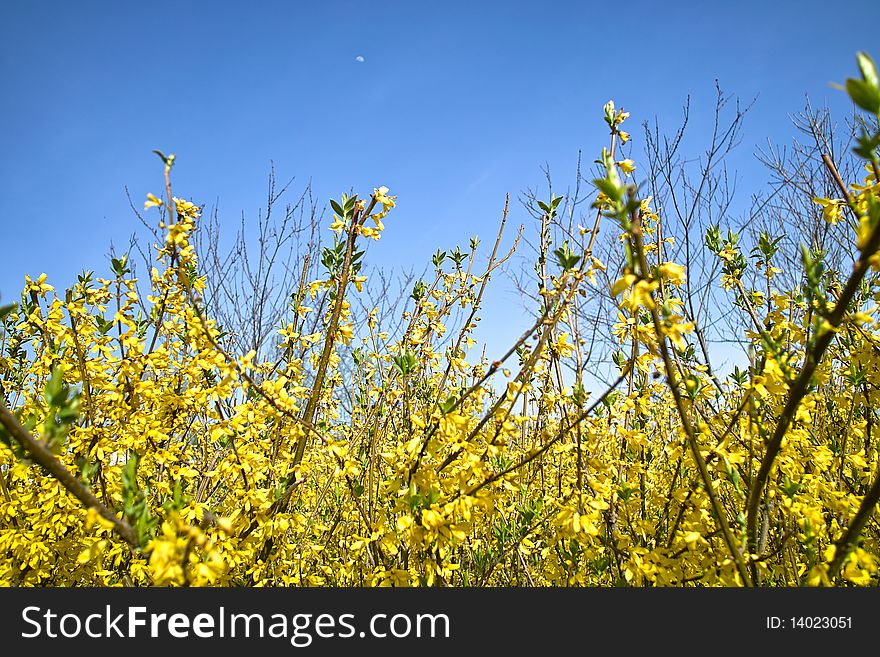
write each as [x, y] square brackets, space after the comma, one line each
[54, 393]
[6, 310]
[868, 69]
[168, 160]
[405, 362]
[104, 325]
[120, 266]
[70, 411]
[419, 290]
[864, 95]
[609, 188]
[337, 208]
[608, 110]
[129, 474]
[566, 258]
[579, 394]
[867, 145]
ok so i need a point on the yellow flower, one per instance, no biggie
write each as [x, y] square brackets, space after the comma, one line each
[641, 295]
[94, 518]
[673, 272]
[623, 283]
[338, 224]
[831, 208]
[675, 331]
[314, 286]
[381, 196]
[186, 208]
[311, 338]
[346, 332]
[151, 202]
[627, 166]
[692, 539]
[40, 286]
[366, 231]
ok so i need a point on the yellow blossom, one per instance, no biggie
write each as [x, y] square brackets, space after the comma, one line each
[627, 166]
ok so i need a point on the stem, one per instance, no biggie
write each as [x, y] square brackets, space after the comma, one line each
[717, 508]
[330, 338]
[801, 385]
[814, 357]
[38, 452]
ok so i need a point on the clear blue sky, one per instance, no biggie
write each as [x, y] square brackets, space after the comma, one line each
[454, 105]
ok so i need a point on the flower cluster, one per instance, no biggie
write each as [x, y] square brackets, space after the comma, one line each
[139, 449]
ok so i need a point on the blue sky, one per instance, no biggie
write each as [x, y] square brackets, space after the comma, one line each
[454, 105]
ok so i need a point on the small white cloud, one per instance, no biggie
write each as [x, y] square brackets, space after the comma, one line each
[359, 58]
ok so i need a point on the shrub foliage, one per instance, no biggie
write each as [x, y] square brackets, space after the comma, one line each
[138, 449]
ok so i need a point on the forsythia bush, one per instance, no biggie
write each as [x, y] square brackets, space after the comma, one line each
[138, 450]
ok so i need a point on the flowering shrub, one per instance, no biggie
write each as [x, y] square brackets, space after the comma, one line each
[137, 449]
